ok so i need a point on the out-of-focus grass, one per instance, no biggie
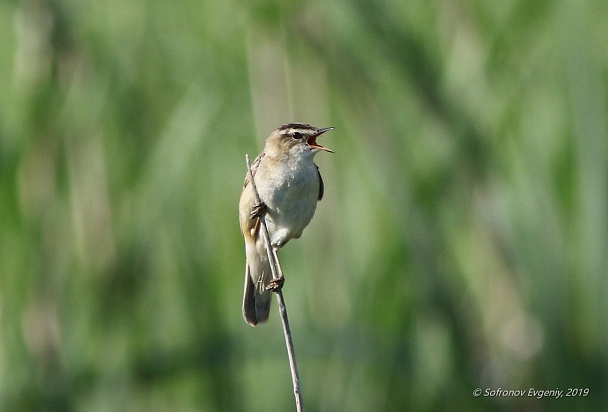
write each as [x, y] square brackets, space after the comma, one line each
[461, 242]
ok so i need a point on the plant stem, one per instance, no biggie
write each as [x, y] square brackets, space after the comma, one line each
[275, 267]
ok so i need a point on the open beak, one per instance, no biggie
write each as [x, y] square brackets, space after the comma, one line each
[312, 140]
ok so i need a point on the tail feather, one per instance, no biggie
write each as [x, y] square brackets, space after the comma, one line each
[256, 299]
[249, 312]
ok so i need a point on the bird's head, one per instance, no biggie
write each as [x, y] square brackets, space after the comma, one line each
[295, 139]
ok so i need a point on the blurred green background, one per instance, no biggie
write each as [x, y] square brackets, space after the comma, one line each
[461, 244]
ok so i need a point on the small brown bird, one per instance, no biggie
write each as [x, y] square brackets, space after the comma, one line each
[289, 185]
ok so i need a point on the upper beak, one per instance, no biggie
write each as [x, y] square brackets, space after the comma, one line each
[312, 140]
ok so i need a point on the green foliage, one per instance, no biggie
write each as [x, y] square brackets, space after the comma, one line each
[461, 242]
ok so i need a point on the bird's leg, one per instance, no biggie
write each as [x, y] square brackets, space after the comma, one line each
[258, 210]
[276, 285]
[275, 255]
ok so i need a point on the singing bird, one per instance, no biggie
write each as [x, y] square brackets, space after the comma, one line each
[289, 185]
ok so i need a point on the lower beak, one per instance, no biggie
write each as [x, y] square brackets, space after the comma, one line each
[312, 140]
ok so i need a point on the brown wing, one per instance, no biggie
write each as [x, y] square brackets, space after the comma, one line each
[254, 168]
[249, 226]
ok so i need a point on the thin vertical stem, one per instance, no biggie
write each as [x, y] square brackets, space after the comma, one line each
[275, 268]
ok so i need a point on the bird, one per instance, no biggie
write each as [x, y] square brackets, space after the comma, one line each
[289, 186]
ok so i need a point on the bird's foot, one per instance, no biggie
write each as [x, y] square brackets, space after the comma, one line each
[258, 210]
[276, 285]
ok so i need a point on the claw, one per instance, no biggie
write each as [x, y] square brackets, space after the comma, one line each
[276, 284]
[258, 210]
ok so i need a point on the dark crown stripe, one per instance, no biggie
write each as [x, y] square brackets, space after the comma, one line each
[300, 126]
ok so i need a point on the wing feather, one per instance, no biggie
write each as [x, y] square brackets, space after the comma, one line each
[321, 185]
[254, 168]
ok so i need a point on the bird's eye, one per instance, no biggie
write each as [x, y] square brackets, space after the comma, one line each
[296, 135]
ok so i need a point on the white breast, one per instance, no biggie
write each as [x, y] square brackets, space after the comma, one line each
[291, 195]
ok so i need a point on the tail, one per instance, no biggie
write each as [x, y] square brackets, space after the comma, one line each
[256, 299]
